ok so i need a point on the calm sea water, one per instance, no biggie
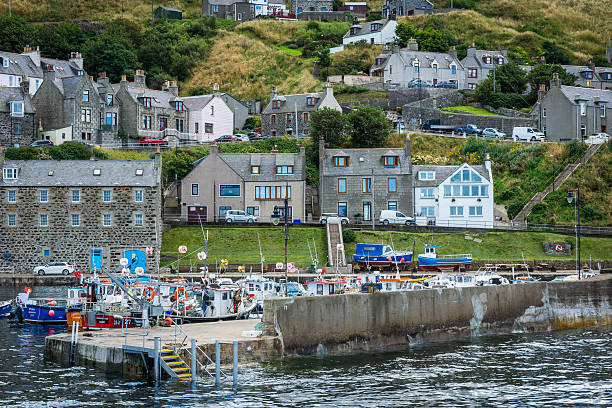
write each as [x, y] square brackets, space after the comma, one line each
[562, 369]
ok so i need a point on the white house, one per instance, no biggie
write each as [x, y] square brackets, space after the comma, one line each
[454, 196]
[209, 116]
[373, 32]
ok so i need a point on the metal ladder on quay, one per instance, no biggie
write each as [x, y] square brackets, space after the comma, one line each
[174, 365]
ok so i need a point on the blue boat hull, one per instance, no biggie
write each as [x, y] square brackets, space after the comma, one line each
[432, 264]
[380, 260]
[41, 314]
[6, 309]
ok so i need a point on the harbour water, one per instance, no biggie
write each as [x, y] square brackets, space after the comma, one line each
[567, 368]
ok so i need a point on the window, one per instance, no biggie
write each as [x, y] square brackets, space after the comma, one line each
[427, 192]
[305, 116]
[5, 62]
[85, 95]
[224, 209]
[76, 196]
[583, 130]
[12, 196]
[456, 211]
[273, 119]
[472, 73]
[254, 211]
[475, 191]
[195, 190]
[138, 196]
[215, 7]
[323, 9]
[212, 111]
[178, 105]
[367, 211]
[146, 122]
[341, 185]
[239, 16]
[390, 161]
[12, 220]
[341, 161]
[392, 205]
[453, 69]
[229, 190]
[106, 220]
[435, 67]
[588, 75]
[197, 127]
[416, 66]
[146, 102]
[16, 128]
[392, 185]
[476, 211]
[456, 191]
[380, 61]
[310, 101]
[139, 172]
[138, 219]
[289, 118]
[272, 192]
[342, 209]
[44, 196]
[427, 175]
[208, 128]
[255, 170]
[500, 60]
[602, 111]
[109, 99]
[582, 108]
[75, 220]
[179, 125]
[86, 115]
[543, 112]
[276, 104]
[447, 191]
[284, 169]
[109, 118]
[43, 220]
[9, 173]
[366, 185]
[471, 86]
[465, 191]
[465, 175]
[427, 211]
[107, 195]
[487, 60]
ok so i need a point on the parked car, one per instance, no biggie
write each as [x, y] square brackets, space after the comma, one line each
[154, 141]
[266, 136]
[253, 136]
[41, 143]
[597, 138]
[417, 83]
[492, 132]
[54, 268]
[226, 139]
[446, 84]
[242, 138]
[527, 134]
[468, 129]
[239, 216]
[325, 216]
[84, 143]
[395, 217]
[434, 125]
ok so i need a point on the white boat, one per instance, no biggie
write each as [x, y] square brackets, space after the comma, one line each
[259, 288]
[324, 287]
[489, 276]
[439, 282]
[464, 280]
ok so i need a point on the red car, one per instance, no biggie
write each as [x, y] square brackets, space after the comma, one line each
[154, 141]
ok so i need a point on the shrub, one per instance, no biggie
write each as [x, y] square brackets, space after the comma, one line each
[70, 151]
[21, 153]
[252, 122]
[348, 236]
[514, 208]
[575, 149]
[508, 193]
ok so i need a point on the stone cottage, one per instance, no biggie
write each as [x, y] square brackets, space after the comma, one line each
[290, 114]
[17, 116]
[478, 64]
[86, 212]
[251, 182]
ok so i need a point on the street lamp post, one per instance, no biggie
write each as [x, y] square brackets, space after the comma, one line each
[576, 200]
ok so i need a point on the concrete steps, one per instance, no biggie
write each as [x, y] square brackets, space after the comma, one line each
[335, 245]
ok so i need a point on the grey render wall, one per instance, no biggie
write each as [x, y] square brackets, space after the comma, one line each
[310, 5]
[27, 240]
[28, 130]
[352, 322]
[241, 112]
[502, 123]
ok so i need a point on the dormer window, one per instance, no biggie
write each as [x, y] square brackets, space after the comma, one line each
[146, 102]
[380, 61]
[341, 161]
[487, 59]
[427, 175]
[255, 170]
[178, 105]
[588, 75]
[354, 30]
[390, 161]
[109, 99]
[85, 95]
[17, 109]
[453, 69]
[139, 172]
[80, 72]
[276, 104]
[500, 60]
[375, 26]
[5, 62]
[415, 64]
[435, 67]
[310, 101]
[607, 76]
[284, 169]
[9, 173]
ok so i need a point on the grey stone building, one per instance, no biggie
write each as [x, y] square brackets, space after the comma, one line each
[406, 7]
[149, 112]
[89, 213]
[236, 10]
[109, 112]
[17, 116]
[360, 183]
[568, 113]
[279, 116]
[251, 182]
[478, 64]
[300, 6]
[398, 67]
[240, 109]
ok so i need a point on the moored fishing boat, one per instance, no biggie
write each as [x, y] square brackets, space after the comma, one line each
[44, 311]
[324, 287]
[431, 261]
[381, 256]
[214, 303]
[6, 308]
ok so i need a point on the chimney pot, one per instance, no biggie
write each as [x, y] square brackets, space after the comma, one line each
[123, 78]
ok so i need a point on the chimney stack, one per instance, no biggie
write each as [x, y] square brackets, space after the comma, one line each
[555, 82]
[216, 91]
[541, 92]
[77, 59]
[25, 85]
[328, 90]
[49, 73]
[33, 53]
[140, 79]
[413, 45]
[103, 80]
[453, 51]
[273, 93]
[173, 88]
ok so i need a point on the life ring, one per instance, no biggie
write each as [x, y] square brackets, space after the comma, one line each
[147, 289]
[176, 296]
[558, 247]
[77, 273]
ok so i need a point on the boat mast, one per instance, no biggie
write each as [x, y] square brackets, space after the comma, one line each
[261, 258]
[397, 273]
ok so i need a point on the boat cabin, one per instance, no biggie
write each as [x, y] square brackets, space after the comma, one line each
[430, 251]
[395, 284]
[218, 301]
[325, 287]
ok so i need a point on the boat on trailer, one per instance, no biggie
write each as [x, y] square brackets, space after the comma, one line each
[382, 256]
[431, 261]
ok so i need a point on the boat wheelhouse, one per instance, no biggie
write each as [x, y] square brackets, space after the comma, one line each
[431, 261]
[324, 287]
[381, 256]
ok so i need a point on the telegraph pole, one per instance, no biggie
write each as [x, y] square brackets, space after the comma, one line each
[286, 232]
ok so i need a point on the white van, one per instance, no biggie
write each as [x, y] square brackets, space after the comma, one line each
[395, 217]
[527, 134]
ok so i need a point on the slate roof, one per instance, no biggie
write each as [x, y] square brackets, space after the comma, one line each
[409, 4]
[289, 103]
[170, 9]
[479, 55]
[366, 28]
[425, 58]
[20, 65]
[159, 99]
[241, 163]
[9, 94]
[79, 173]
[197, 102]
[225, 2]
[62, 68]
[69, 85]
[372, 158]
[587, 94]
[442, 173]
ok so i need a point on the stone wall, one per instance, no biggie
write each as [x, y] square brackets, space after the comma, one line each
[352, 322]
[28, 130]
[281, 124]
[401, 97]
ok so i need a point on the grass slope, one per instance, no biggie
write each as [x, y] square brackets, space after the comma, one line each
[470, 109]
[240, 245]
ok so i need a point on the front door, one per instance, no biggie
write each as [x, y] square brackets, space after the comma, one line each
[163, 123]
[331, 289]
[197, 213]
[95, 261]
[367, 211]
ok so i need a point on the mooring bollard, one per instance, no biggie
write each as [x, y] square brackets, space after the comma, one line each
[217, 363]
[235, 371]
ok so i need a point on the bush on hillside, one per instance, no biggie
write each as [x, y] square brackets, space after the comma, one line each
[348, 236]
[252, 122]
[70, 151]
[514, 208]
[21, 153]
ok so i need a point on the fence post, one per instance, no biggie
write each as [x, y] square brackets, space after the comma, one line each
[235, 370]
[217, 364]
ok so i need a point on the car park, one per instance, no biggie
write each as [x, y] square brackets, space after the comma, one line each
[526, 134]
[242, 138]
[239, 216]
[54, 268]
[41, 143]
[395, 217]
[328, 216]
[417, 83]
[154, 141]
[494, 133]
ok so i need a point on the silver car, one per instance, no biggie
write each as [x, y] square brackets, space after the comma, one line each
[239, 216]
[494, 133]
[325, 216]
[54, 268]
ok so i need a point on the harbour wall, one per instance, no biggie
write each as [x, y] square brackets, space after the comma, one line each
[358, 322]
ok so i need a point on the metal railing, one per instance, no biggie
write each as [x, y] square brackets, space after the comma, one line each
[144, 334]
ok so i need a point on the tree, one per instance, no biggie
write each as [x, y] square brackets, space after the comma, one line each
[15, 34]
[510, 77]
[404, 32]
[484, 90]
[58, 41]
[554, 54]
[368, 127]
[330, 125]
[432, 40]
[252, 122]
[543, 73]
[109, 54]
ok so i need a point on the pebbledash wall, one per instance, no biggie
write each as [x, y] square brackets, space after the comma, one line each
[353, 322]
[28, 244]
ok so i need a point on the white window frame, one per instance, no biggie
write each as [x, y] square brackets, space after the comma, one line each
[425, 190]
[85, 95]
[602, 111]
[42, 216]
[78, 194]
[136, 196]
[457, 209]
[9, 199]
[110, 220]
[583, 109]
[9, 173]
[138, 219]
[11, 220]
[427, 175]
[75, 217]
[110, 196]
[197, 186]
[17, 113]
[40, 195]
